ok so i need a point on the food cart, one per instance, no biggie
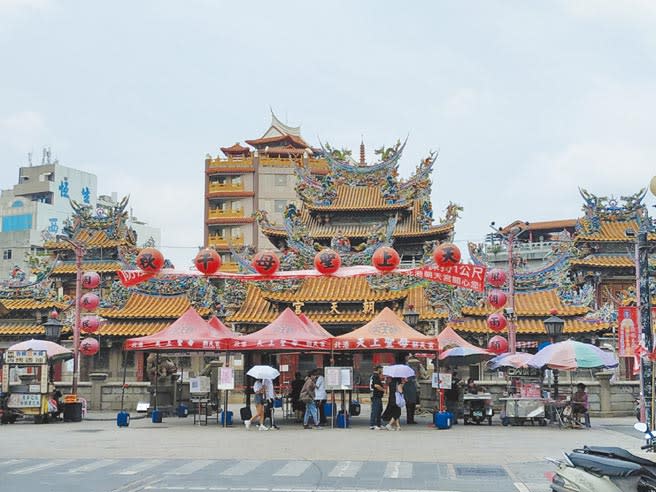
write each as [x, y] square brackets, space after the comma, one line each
[524, 402]
[477, 408]
[25, 381]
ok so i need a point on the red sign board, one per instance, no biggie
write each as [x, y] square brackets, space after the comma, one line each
[463, 275]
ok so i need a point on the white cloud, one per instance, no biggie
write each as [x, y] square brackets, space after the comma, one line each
[23, 130]
[22, 5]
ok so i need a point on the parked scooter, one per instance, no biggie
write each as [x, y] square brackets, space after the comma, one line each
[605, 469]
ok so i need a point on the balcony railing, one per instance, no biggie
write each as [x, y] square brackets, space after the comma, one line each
[230, 266]
[230, 162]
[216, 240]
[217, 187]
[224, 214]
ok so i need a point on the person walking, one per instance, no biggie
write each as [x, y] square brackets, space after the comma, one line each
[410, 395]
[452, 396]
[308, 396]
[395, 403]
[320, 396]
[377, 392]
[259, 390]
[297, 405]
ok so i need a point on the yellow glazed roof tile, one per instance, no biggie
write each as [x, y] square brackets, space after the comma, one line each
[132, 328]
[96, 266]
[605, 261]
[359, 198]
[151, 306]
[539, 304]
[333, 289]
[31, 304]
[529, 326]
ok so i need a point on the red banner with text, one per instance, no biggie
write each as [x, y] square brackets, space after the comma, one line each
[628, 331]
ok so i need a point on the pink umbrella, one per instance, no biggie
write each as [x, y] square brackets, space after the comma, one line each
[516, 360]
[53, 350]
[570, 355]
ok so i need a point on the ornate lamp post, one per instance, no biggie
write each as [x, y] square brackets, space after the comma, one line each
[410, 316]
[53, 326]
[553, 326]
[79, 253]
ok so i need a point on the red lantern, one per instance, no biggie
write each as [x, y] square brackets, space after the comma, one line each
[327, 261]
[90, 324]
[266, 262]
[54, 314]
[150, 260]
[496, 277]
[497, 345]
[497, 322]
[90, 280]
[89, 346]
[446, 255]
[207, 261]
[89, 301]
[497, 298]
[385, 259]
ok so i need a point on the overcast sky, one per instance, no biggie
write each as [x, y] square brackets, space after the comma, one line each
[525, 101]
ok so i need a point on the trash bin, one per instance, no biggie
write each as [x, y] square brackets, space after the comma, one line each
[73, 412]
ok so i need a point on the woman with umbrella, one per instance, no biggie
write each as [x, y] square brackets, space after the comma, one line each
[263, 390]
[396, 401]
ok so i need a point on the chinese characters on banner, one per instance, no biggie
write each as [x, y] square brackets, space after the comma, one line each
[463, 275]
[628, 331]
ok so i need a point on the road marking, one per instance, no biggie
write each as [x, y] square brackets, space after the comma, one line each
[139, 467]
[451, 471]
[147, 482]
[286, 489]
[39, 467]
[92, 466]
[11, 462]
[190, 468]
[521, 487]
[241, 468]
[293, 469]
[398, 469]
[346, 469]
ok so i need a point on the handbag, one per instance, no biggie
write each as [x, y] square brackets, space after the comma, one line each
[399, 399]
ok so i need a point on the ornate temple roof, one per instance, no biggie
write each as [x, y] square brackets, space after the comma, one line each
[33, 304]
[68, 267]
[359, 198]
[605, 261]
[259, 306]
[91, 239]
[132, 328]
[236, 149]
[295, 140]
[141, 305]
[530, 326]
[532, 304]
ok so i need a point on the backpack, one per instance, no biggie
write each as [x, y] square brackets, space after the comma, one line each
[400, 400]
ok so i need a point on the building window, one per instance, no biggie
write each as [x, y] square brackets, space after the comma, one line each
[6, 254]
[279, 205]
[281, 180]
[236, 181]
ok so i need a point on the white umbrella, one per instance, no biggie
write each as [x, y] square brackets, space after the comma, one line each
[53, 350]
[398, 371]
[263, 372]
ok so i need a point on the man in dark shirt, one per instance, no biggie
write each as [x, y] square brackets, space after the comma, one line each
[377, 392]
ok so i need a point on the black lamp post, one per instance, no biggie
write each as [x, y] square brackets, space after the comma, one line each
[53, 326]
[554, 328]
[410, 316]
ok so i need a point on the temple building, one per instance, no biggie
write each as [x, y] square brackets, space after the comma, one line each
[259, 176]
[588, 274]
[354, 208]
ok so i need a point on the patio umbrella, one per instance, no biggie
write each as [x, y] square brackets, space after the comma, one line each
[53, 350]
[263, 372]
[464, 356]
[398, 371]
[516, 360]
[570, 355]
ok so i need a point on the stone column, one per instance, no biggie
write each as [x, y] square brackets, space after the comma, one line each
[605, 409]
[97, 379]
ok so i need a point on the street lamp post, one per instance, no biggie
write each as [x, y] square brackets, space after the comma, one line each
[79, 253]
[553, 326]
[52, 327]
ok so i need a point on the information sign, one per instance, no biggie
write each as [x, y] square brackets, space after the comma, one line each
[201, 384]
[24, 400]
[338, 378]
[226, 377]
[441, 380]
[26, 357]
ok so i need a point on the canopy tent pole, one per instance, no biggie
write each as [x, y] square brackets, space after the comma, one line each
[125, 370]
[156, 377]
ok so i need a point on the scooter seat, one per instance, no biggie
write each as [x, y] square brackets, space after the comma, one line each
[619, 453]
[605, 466]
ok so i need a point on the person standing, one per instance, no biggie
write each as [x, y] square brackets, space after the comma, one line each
[452, 396]
[377, 392]
[297, 405]
[321, 396]
[308, 396]
[411, 399]
[394, 405]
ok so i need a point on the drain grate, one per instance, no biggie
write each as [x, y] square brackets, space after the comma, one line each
[88, 430]
[480, 471]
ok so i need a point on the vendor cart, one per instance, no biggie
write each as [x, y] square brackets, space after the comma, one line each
[477, 408]
[25, 384]
[518, 410]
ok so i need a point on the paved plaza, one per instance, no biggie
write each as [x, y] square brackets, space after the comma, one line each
[178, 455]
